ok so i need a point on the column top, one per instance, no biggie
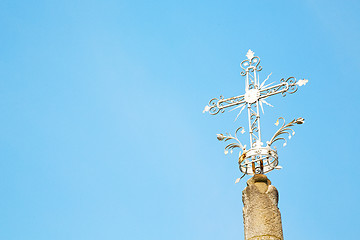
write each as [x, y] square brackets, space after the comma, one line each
[258, 178]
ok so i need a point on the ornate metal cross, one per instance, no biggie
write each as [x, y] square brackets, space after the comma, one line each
[257, 159]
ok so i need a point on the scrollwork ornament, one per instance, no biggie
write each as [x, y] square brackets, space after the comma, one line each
[250, 65]
[293, 87]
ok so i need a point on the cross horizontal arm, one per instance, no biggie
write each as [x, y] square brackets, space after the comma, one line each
[286, 86]
[219, 105]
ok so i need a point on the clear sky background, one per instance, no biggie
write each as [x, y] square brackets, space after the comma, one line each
[102, 134]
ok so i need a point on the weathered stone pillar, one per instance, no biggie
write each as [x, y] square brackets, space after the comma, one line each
[262, 219]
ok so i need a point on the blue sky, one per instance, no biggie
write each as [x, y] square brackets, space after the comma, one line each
[102, 134]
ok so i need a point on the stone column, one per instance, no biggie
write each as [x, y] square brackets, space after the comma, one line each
[262, 219]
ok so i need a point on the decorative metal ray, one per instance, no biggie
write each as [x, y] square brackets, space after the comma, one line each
[257, 159]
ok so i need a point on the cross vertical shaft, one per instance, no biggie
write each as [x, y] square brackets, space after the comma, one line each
[251, 97]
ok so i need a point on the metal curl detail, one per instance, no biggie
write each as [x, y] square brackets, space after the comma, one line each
[293, 87]
[213, 109]
[250, 65]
